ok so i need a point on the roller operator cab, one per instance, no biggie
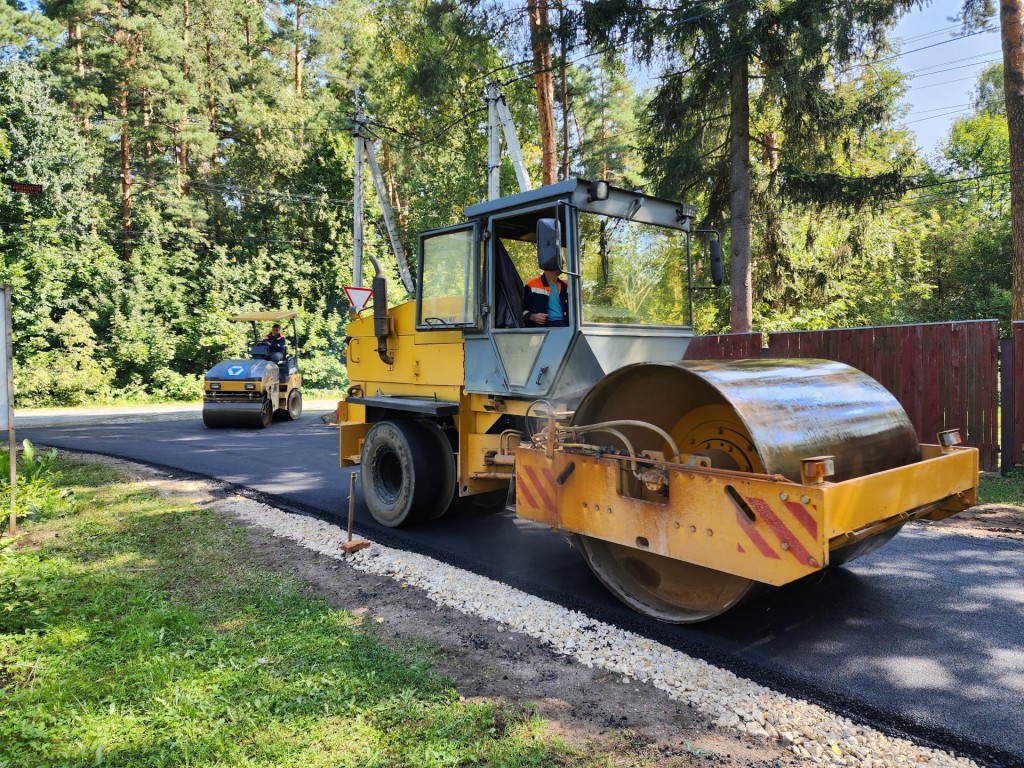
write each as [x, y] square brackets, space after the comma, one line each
[682, 483]
[252, 391]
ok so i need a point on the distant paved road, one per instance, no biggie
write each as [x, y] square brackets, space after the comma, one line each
[924, 636]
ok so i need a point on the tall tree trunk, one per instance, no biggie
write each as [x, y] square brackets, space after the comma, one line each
[299, 12]
[126, 171]
[540, 38]
[211, 104]
[75, 37]
[563, 66]
[741, 315]
[249, 72]
[1011, 18]
[180, 147]
[604, 130]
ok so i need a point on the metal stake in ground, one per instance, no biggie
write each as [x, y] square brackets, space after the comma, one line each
[350, 545]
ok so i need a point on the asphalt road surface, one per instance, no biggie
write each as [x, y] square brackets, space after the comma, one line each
[923, 638]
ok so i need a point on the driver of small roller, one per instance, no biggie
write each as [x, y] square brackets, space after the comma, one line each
[277, 345]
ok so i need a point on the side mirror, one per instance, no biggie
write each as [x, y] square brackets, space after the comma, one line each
[717, 262]
[549, 245]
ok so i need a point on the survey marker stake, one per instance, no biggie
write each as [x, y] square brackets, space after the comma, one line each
[352, 546]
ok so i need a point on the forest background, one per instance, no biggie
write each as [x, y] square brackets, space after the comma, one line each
[196, 159]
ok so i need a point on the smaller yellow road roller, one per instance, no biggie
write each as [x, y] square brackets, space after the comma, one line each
[252, 392]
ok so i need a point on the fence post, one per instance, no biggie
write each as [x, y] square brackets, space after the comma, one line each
[1007, 437]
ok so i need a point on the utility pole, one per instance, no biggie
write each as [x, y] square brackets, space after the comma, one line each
[357, 197]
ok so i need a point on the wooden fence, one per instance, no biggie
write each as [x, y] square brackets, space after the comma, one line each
[1013, 398]
[944, 375]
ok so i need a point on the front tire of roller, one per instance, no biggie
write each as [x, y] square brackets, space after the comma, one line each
[209, 420]
[400, 472]
[266, 413]
[294, 407]
[447, 471]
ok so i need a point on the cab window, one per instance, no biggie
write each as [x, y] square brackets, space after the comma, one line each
[515, 260]
[633, 273]
[449, 269]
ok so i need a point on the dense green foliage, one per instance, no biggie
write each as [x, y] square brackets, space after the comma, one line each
[136, 633]
[197, 161]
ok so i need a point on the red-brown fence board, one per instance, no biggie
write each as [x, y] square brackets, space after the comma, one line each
[944, 375]
[1018, 391]
[728, 346]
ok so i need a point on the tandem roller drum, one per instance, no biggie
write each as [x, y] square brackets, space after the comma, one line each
[256, 414]
[758, 416]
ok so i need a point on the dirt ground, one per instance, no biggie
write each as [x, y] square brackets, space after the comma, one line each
[987, 520]
[606, 720]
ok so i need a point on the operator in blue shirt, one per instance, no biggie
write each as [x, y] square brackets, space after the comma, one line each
[544, 307]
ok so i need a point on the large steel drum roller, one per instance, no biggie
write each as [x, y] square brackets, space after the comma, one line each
[760, 416]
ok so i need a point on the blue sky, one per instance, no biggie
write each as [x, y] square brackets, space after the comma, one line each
[943, 71]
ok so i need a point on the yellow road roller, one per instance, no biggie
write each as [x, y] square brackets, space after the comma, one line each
[542, 357]
[251, 392]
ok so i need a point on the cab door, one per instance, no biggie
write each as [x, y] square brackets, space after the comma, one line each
[448, 290]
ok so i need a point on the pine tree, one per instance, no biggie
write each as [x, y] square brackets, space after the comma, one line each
[794, 59]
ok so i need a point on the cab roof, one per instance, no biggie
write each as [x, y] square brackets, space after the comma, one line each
[255, 317]
[622, 203]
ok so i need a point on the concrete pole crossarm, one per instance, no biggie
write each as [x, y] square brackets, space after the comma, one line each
[389, 219]
[512, 142]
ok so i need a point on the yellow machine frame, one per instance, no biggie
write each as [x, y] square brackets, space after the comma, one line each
[760, 527]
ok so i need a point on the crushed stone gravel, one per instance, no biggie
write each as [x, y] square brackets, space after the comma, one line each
[809, 731]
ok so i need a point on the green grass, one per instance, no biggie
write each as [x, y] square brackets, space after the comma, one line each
[134, 632]
[995, 489]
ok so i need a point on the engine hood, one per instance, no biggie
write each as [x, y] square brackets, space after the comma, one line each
[242, 370]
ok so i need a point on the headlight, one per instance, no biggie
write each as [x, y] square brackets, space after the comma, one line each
[250, 386]
[215, 385]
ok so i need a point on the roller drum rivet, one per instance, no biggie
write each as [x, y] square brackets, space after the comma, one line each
[693, 529]
[805, 500]
[783, 496]
[785, 546]
[710, 532]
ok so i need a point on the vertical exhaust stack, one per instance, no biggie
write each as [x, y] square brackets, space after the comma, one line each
[381, 318]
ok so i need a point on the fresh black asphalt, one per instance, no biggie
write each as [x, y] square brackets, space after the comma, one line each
[922, 638]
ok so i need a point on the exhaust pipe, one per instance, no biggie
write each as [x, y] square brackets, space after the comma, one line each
[381, 319]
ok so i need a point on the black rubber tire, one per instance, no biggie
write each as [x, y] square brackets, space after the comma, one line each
[266, 413]
[293, 407]
[448, 478]
[399, 472]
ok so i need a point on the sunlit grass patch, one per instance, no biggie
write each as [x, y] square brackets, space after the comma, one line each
[141, 634]
[998, 489]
